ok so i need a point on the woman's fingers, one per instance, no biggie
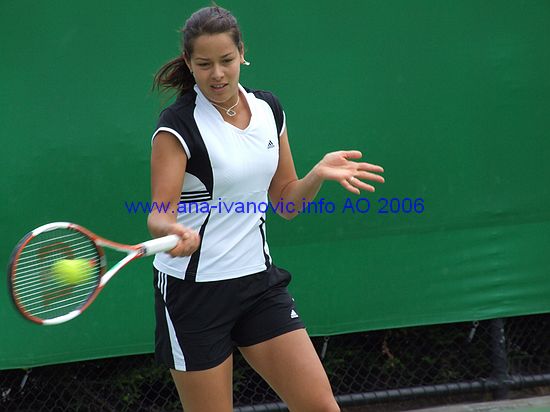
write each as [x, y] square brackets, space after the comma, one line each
[369, 167]
[351, 154]
[189, 241]
[369, 176]
[347, 184]
[355, 185]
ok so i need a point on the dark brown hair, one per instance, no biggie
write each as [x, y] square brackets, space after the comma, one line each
[209, 20]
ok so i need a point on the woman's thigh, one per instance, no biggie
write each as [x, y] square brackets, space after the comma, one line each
[291, 366]
[209, 390]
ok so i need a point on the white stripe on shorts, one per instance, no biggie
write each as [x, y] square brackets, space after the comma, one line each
[177, 353]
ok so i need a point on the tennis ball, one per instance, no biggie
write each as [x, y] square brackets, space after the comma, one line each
[71, 271]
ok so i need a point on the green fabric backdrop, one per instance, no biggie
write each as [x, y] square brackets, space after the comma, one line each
[452, 98]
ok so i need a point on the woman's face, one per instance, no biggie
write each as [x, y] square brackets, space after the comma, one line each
[215, 63]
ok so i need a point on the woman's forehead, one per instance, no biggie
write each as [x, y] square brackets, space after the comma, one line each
[213, 45]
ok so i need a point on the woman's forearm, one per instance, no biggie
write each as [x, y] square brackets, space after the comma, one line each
[159, 224]
[300, 192]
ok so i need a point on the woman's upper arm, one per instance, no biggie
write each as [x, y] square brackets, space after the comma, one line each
[285, 173]
[168, 163]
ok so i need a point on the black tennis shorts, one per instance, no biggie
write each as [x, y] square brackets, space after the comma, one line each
[200, 323]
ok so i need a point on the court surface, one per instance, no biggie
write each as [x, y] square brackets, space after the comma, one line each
[538, 404]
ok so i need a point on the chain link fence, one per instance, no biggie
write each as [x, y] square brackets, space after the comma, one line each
[371, 367]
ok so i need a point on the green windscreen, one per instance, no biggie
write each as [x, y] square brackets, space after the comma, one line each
[452, 98]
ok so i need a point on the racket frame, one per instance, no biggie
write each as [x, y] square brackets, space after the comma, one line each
[133, 252]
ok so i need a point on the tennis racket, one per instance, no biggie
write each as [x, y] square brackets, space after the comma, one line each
[42, 296]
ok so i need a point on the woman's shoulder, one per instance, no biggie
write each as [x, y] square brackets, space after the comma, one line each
[262, 94]
[273, 103]
[182, 105]
[269, 97]
[183, 101]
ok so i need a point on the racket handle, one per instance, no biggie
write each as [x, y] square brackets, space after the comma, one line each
[161, 244]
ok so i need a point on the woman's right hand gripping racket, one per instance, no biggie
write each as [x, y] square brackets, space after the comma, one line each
[57, 270]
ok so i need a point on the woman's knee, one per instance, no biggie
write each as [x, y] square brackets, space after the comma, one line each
[319, 404]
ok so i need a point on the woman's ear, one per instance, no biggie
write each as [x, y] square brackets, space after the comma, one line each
[241, 53]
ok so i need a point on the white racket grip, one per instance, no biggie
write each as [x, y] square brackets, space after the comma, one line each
[162, 244]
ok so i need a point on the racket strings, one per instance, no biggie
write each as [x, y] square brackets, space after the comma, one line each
[60, 248]
[34, 293]
[39, 290]
[30, 268]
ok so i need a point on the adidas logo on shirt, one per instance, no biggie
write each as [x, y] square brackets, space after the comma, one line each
[270, 145]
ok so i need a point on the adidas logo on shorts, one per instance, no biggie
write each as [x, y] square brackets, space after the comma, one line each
[293, 314]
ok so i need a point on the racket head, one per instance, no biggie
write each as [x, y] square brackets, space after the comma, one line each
[39, 293]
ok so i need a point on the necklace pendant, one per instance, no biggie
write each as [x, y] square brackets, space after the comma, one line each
[231, 112]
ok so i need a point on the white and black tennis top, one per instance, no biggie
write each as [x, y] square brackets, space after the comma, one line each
[226, 166]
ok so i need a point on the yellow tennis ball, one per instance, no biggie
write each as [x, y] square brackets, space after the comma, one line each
[72, 271]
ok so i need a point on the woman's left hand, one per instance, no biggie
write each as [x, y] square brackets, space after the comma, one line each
[338, 166]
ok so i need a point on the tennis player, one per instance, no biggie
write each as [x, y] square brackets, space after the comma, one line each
[218, 289]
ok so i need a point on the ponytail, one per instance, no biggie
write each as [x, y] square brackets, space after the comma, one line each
[174, 75]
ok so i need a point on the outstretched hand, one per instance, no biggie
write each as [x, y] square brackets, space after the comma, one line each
[337, 166]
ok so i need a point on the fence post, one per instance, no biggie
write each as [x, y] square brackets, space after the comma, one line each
[499, 359]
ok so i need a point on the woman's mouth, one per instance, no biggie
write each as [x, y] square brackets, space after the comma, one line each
[219, 87]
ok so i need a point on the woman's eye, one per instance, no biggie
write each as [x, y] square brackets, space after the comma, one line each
[203, 64]
[228, 60]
